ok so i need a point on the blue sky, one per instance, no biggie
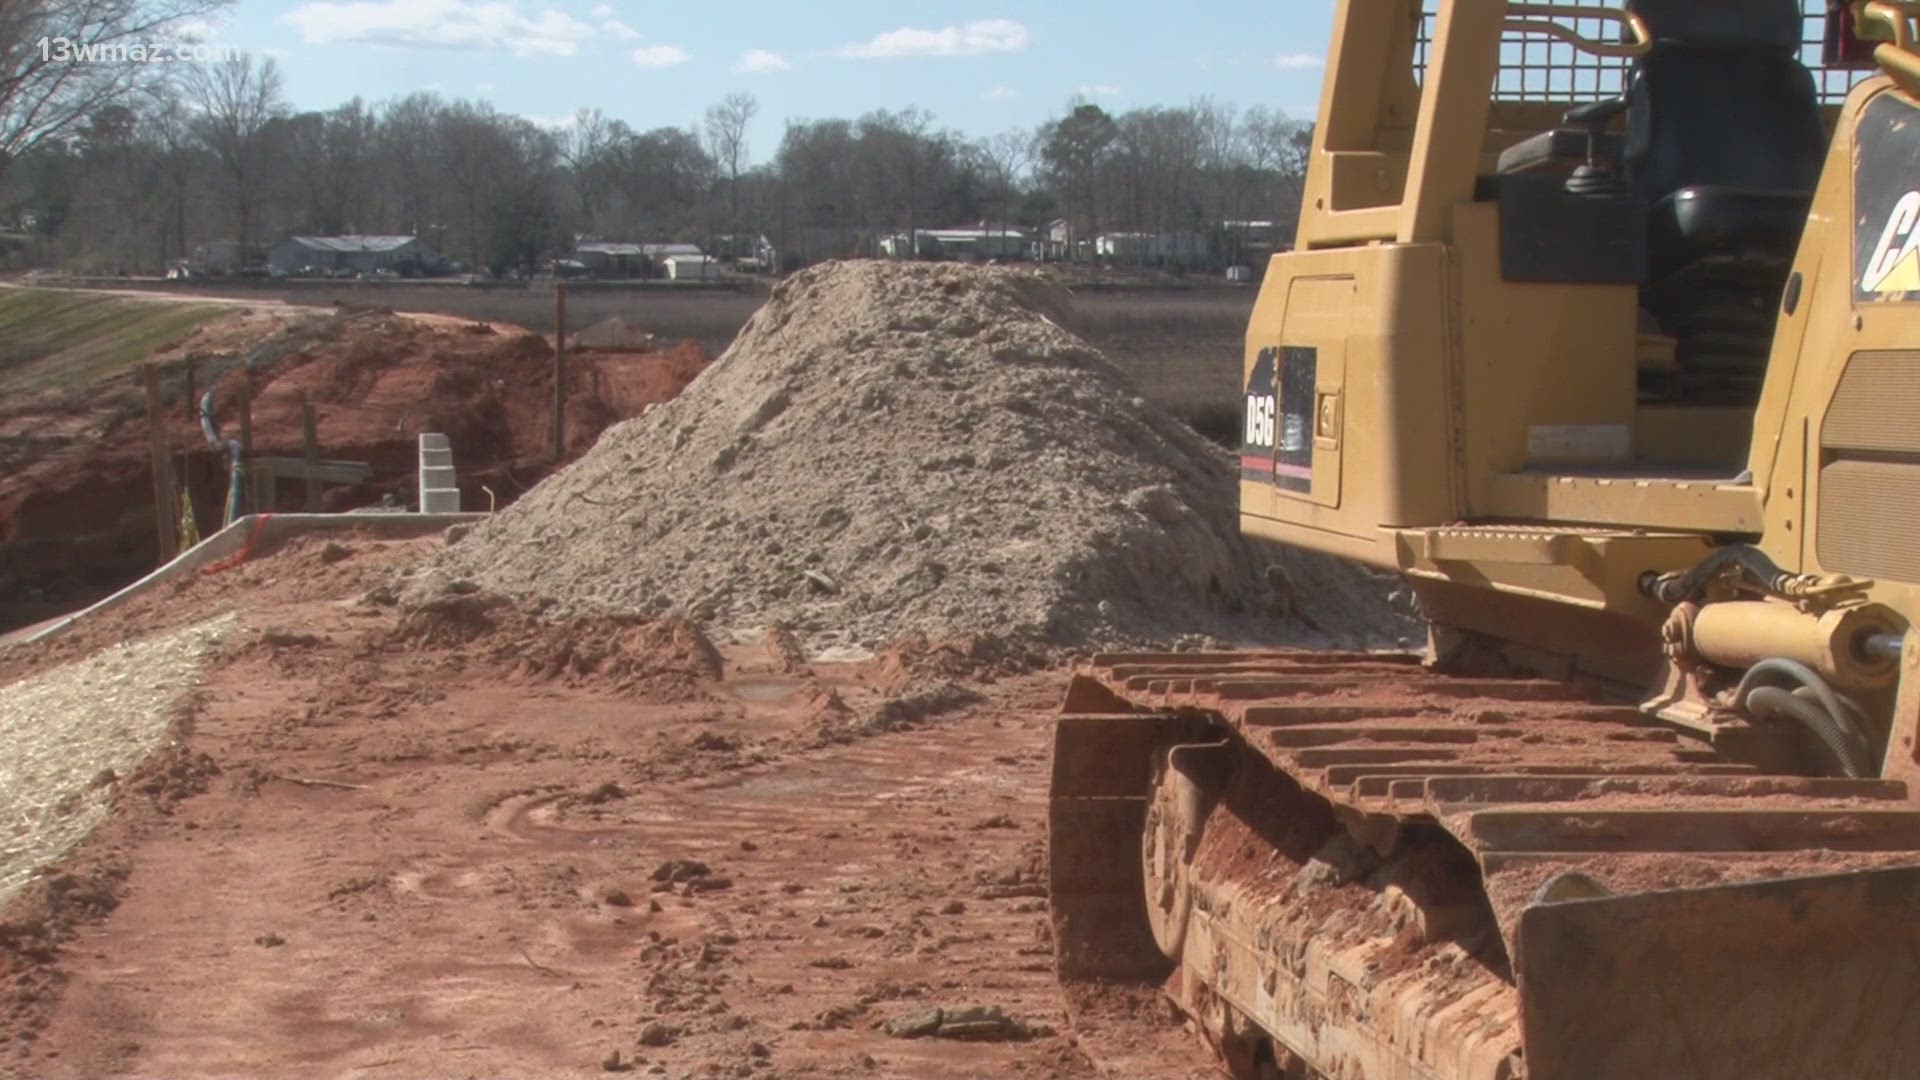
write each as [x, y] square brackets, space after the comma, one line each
[980, 66]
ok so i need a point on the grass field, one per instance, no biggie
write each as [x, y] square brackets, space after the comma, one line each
[65, 341]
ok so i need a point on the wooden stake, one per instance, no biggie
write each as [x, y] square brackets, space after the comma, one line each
[310, 443]
[166, 496]
[246, 443]
[559, 372]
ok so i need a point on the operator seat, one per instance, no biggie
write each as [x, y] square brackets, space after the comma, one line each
[1725, 139]
[1725, 144]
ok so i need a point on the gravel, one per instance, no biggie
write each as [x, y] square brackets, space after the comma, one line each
[897, 448]
[70, 732]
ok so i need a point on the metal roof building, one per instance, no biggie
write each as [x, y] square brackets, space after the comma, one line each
[297, 253]
[610, 258]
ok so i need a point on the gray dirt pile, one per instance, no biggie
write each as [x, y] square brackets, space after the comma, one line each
[889, 449]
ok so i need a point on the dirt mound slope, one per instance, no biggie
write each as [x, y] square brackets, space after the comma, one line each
[669, 659]
[888, 449]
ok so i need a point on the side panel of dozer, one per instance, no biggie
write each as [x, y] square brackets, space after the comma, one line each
[1791, 979]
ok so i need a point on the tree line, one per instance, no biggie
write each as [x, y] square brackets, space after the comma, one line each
[148, 169]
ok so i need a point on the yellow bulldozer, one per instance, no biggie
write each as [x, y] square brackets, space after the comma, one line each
[1603, 329]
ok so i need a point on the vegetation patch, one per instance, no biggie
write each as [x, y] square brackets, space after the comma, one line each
[54, 340]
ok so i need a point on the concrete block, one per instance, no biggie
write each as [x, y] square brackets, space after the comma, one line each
[439, 486]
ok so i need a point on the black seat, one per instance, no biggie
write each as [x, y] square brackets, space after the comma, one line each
[1725, 139]
[1725, 143]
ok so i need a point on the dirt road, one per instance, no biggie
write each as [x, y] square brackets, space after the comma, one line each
[457, 846]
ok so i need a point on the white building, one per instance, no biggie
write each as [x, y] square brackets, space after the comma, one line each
[1150, 247]
[621, 259]
[605, 258]
[983, 243]
[692, 268]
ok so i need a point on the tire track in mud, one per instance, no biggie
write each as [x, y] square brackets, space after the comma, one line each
[512, 881]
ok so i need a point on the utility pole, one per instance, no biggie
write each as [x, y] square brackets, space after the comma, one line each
[559, 372]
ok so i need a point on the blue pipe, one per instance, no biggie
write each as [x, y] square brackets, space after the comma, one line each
[236, 466]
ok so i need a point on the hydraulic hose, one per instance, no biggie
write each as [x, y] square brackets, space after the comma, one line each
[1835, 722]
[1801, 705]
[1748, 558]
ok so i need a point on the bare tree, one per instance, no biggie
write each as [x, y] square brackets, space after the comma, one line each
[1280, 146]
[1263, 133]
[1073, 151]
[908, 147]
[472, 146]
[727, 142]
[1008, 155]
[1220, 135]
[1006, 158]
[666, 179]
[586, 149]
[45, 91]
[237, 101]
[175, 149]
[344, 155]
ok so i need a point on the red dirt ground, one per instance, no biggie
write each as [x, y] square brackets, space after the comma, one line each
[75, 513]
[455, 842]
[487, 386]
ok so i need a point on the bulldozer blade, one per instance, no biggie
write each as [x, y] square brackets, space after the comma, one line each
[1786, 979]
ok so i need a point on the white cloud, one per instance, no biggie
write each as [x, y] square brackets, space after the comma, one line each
[196, 27]
[1298, 61]
[447, 24]
[604, 11]
[660, 56]
[1099, 90]
[619, 31]
[1001, 93]
[485, 87]
[761, 62]
[968, 39]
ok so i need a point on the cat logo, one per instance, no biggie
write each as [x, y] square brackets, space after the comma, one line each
[1895, 266]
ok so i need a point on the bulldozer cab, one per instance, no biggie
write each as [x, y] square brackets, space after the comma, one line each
[1589, 271]
[1655, 159]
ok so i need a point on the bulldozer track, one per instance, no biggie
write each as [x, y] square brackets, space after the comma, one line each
[1393, 872]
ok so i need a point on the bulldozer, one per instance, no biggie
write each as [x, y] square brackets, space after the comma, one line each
[1602, 330]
